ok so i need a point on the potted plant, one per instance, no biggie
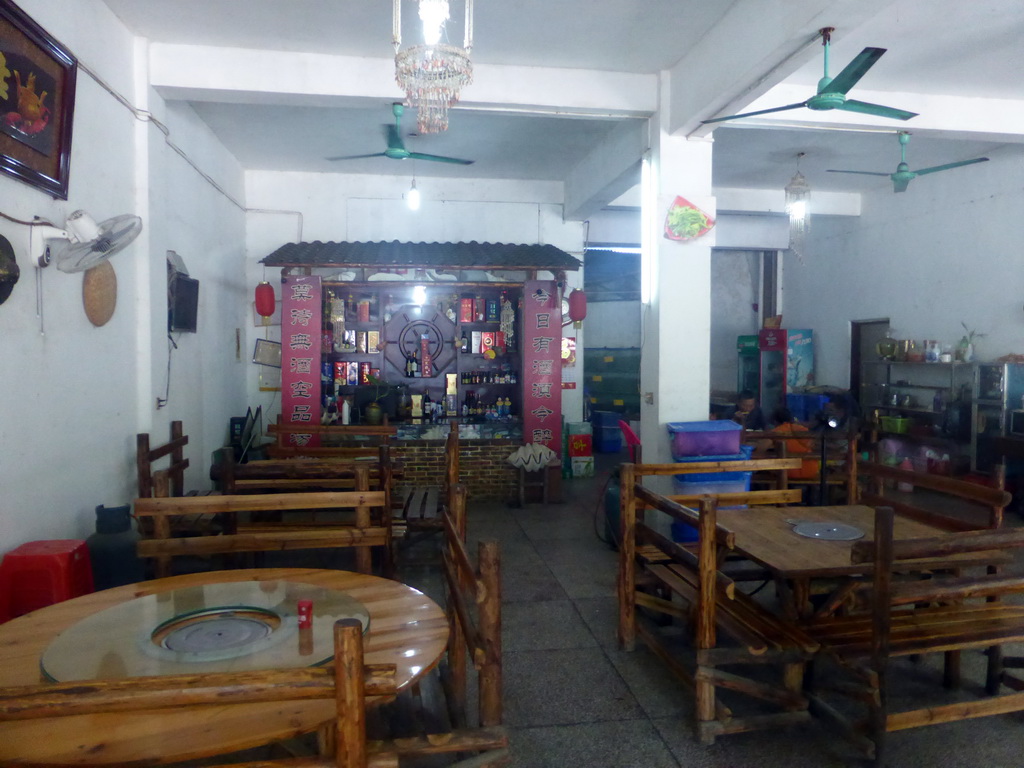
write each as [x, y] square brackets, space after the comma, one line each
[373, 413]
[965, 347]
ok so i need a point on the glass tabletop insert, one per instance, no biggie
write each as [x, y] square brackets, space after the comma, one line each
[227, 627]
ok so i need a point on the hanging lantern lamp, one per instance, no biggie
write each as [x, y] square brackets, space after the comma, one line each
[577, 307]
[265, 301]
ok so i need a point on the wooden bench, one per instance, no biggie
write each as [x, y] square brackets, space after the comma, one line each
[473, 605]
[984, 505]
[728, 627]
[349, 682]
[361, 533]
[920, 616]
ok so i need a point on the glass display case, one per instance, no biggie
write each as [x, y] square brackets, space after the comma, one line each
[998, 410]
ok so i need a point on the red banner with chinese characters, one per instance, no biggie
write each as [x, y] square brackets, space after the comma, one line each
[542, 368]
[301, 309]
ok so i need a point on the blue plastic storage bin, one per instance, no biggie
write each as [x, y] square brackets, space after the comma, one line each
[608, 439]
[606, 419]
[704, 438]
[746, 451]
[724, 482]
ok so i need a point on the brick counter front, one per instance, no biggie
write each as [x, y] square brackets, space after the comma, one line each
[483, 466]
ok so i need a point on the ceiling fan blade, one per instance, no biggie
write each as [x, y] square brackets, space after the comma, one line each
[852, 105]
[900, 185]
[354, 157]
[759, 112]
[947, 166]
[439, 158]
[854, 71]
[862, 173]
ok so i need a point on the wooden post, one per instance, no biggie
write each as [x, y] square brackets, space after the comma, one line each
[880, 624]
[142, 465]
[177, 460]
[627, 557]
[852, 492]
[350, 743]
[456, 637]
[996, 519]
[363, 554]
[386, 517]
[161, 525]
[489, 612]
[706, 582]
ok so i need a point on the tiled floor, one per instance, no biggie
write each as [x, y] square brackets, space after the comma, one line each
[573, 699]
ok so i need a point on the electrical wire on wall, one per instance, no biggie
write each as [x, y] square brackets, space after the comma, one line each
[148, 117]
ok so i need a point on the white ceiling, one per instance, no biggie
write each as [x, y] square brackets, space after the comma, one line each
[947, 47]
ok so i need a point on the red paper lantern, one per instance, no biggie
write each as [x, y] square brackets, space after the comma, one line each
[265, 299]
[577, 306]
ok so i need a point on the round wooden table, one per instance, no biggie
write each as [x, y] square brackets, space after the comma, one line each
[407, 629]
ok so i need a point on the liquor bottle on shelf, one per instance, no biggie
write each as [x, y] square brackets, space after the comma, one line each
[389, 308]
[464, 343]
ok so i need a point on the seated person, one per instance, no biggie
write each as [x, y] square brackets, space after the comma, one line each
[748, 413]
[787, 425]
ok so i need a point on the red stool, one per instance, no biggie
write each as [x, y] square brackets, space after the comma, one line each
[41, 573]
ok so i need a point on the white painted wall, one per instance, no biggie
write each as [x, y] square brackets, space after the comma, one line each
[946, 251]
[72, 405]
[349, 207]
[735, 283]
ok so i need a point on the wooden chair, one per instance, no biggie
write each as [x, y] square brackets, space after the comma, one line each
[174, 474]
[473, 605]
[360, 533]
[728, 627]
[911, 617]
[975, 506]
[349, 682]
[422, 505]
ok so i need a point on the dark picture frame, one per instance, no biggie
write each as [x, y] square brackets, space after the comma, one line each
[37, 103]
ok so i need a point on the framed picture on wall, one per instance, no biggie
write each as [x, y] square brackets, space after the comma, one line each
[37, 103]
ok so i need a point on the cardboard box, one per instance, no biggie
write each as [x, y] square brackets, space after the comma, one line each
[582, 466]
[353, 374]
[486, 341]
[474, 345]
[372, 341]
[465, 310]
[581, 445]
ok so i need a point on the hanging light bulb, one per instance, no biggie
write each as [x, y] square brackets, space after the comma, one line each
[412, 197]
[798, 198]
[433, 14]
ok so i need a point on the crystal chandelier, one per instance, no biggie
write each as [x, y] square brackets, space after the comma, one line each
[432, 74]
[798, 198]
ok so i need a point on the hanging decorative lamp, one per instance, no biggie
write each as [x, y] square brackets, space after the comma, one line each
[577, 307]
[798, 199]
[265, 301]
[433, 73]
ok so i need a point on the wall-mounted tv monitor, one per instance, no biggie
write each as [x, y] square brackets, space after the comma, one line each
[182, 304]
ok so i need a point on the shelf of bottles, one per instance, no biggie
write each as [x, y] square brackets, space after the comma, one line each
[449, 352]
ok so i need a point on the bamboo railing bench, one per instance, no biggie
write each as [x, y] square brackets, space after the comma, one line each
[434, 718]
[360, 531]
[945, 614]
[729, 627]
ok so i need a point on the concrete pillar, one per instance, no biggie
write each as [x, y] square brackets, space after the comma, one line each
[676, 290]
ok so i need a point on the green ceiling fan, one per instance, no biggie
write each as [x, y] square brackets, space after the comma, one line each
[832, 92]
[396, 147]
[903, 176]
